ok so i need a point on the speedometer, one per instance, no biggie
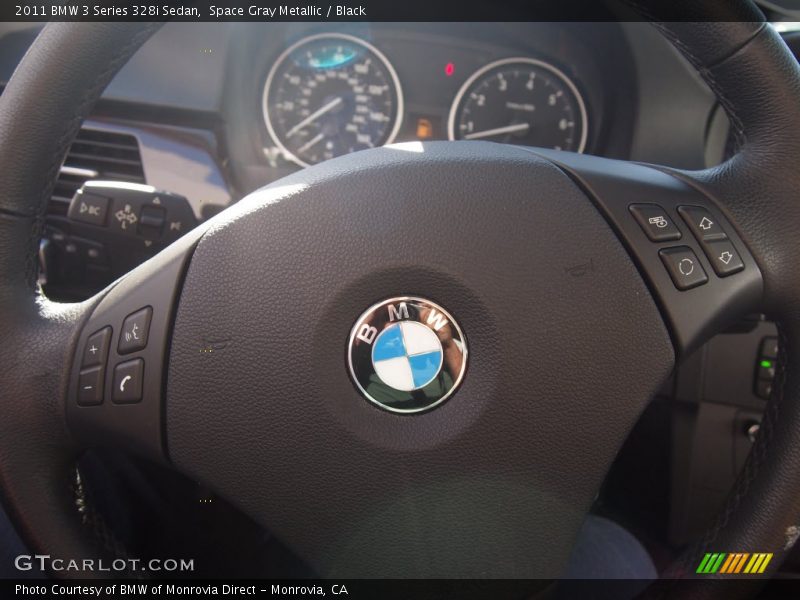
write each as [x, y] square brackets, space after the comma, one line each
[331, 94]
[520, 101]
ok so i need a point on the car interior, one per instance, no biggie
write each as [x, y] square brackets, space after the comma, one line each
[222, 200]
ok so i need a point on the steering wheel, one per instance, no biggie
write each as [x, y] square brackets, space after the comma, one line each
[574, 312]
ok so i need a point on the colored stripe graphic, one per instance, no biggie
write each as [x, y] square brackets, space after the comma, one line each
[741, 562]
[732, 559]
[703, 563]
[734, 563]
[711, 563]
[758, 563]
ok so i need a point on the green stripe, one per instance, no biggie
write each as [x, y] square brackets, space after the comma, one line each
[711, 560]
[702, 567]
[718, 563]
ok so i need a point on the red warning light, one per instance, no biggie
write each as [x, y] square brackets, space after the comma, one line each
[449, 69]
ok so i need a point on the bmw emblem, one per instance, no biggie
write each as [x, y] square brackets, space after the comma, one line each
[407, 354]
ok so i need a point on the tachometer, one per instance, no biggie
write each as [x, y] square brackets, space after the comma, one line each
[520, 101]
[330, 94]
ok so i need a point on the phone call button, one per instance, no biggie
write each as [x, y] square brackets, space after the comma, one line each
[127, 384]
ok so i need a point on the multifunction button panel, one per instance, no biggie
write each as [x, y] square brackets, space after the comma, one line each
[709, 282]
[132, 211]
[681, 262]
[697, 267]
[127, 378]
[721, 252]
[117, 388]
[93, 368]
[109, 229]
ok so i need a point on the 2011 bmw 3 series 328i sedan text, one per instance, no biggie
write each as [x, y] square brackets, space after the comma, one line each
[453, 300]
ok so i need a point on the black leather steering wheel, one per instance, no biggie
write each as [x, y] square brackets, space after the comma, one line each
[536, 254]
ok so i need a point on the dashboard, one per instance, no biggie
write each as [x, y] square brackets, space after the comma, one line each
[247, 103]
[208, 112]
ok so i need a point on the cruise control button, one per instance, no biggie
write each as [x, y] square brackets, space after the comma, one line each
[96, 349]
[702, 223]
[723, 257]
[88, 208]
[655, 222]
[127, 385]
[90, 386]
[133, 336]
[683, 267]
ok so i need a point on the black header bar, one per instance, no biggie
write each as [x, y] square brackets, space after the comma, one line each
[369, 10]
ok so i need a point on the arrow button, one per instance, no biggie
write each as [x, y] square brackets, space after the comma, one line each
[703, 224]
[723, 257]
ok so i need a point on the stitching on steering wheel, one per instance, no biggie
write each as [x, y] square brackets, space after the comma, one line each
[704, 70]
[706, 73]
[101, 531]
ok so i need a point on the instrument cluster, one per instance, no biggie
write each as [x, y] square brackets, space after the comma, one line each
[330, 93]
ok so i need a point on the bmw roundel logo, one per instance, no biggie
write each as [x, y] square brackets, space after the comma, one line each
[407, 354]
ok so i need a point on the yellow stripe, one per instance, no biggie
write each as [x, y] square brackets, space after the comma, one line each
[741, 562]
[759, 559]
[768, 557]
[758, 563]
[727, 562]
[752, 563]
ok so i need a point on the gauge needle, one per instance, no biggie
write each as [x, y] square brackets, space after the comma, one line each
[310, 143]
[314, 116]
[497, 131]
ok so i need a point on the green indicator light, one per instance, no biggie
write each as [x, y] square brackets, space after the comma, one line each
[766, 364]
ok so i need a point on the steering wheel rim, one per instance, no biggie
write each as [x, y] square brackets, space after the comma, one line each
[55, 87]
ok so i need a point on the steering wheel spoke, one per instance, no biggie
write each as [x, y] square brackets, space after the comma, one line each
[116, 389]
[699, 269]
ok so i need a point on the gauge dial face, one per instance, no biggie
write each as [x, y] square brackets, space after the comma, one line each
[520, 101]
[329, 95]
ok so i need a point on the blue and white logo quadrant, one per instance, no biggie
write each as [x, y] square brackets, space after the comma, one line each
[407, 356]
